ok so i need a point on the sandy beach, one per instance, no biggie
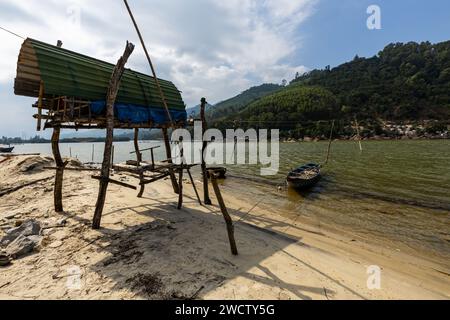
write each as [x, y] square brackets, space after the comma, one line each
[147, 249]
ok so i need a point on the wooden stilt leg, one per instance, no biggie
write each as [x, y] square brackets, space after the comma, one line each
[57, 193]
[139, 160]
[226, 216]
[110, 99]
[180, 183]
[180, 188]
[169, 157]
[193, 185]
[207, 200]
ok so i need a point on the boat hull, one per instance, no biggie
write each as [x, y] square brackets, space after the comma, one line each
[6, 150]
[302, 184]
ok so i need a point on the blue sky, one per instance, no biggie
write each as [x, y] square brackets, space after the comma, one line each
[211, 48]
[337, 31]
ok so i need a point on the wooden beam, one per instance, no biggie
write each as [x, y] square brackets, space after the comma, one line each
[226, 216]
[156, 178]
[119, 183]
[72, 169]
[113, 89]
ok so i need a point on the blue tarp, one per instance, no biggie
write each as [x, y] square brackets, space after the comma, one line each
[136, 114]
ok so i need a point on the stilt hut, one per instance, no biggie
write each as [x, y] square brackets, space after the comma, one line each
[75, 91]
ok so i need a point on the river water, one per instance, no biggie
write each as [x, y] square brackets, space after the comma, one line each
[393, 190]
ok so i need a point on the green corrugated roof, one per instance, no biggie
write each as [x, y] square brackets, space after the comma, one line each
[67, 73]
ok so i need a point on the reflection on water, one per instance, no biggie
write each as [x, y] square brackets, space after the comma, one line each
[397, 190]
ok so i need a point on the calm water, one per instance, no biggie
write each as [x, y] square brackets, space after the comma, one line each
[395, 190]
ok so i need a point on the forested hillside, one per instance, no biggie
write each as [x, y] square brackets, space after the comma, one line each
[404, 81]
[407, 83]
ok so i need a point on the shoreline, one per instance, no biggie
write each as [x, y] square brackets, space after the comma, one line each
[279, 258]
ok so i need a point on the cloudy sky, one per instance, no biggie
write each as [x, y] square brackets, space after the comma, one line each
[210, 48]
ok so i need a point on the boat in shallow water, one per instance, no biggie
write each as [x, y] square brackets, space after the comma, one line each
[6, 149]
[304, 177]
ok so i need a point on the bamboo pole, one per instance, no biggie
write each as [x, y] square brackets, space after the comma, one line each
[113, 89]
[163, 98]
[226, 216]
[207, 199]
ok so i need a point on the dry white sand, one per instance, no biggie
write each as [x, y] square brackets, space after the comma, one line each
[147, 249]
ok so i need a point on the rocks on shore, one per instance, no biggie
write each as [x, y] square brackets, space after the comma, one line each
[20, 240]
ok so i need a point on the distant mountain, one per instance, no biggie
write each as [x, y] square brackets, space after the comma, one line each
[238, 102]
[195, 111]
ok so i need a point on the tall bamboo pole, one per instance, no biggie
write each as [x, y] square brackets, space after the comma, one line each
[163, 98]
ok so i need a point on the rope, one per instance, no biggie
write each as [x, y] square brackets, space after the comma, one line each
[13, 33]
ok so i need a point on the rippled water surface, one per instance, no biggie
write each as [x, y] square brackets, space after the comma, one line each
[395, 190]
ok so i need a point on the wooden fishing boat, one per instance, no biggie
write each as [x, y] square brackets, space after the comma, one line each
[304, 177]
[6, 149]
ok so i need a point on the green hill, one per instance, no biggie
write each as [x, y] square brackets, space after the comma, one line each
[403, 83]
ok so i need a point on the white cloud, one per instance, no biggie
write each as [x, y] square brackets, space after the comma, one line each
[208, 48]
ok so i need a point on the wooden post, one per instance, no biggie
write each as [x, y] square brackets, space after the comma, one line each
[139, 160]
[93, 150]
[112, 157]
[226, 216]
[180, 183]
[169, 160]
[153, 158]
[359, 135]
[41, 96]
[207, 200]
[57, 191]
[113, 89]
[329, 143]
